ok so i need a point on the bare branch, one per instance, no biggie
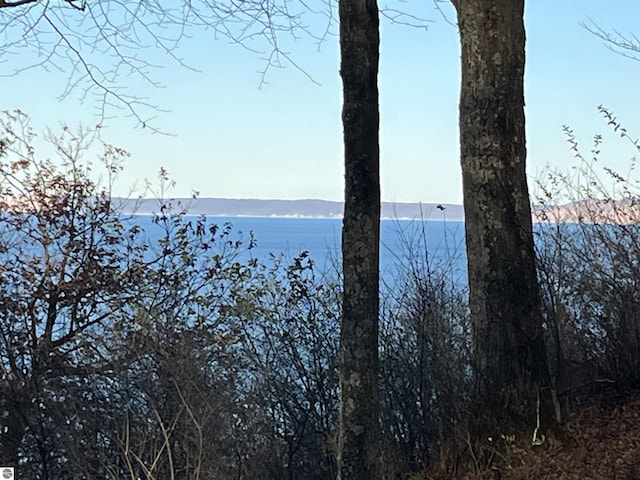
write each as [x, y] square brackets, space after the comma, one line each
[101, 45]
[627, 45]
[4, 4]
[445, 17]
[399, 17]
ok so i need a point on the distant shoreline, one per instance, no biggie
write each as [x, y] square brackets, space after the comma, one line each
[585, 211]
[223, 207]
[595, 211]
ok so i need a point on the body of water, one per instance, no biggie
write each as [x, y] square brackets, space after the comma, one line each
[437, 242]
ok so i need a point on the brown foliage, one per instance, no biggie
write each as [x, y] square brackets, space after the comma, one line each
[601, 442]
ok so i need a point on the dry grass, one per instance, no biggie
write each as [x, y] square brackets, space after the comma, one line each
[601, 443]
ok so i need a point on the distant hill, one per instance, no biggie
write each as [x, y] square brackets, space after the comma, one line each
[592, 210]
[289, 208]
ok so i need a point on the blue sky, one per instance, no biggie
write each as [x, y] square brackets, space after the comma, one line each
[233, 137]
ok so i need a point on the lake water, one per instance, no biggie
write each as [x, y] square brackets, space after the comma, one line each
[439, 242]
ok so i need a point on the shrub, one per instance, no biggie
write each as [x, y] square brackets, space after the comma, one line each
[588, 240]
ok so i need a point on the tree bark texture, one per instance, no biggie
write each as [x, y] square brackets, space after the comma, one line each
[359, 48]
[511, 377]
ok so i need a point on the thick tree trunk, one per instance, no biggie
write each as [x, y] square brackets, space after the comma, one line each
[359, 47]
[512, 381]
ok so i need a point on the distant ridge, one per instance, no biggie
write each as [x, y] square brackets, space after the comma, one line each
[288, 208]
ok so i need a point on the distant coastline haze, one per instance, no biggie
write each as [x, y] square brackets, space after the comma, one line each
[306, 208]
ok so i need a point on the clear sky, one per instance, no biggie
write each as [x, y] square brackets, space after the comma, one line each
[233, 137]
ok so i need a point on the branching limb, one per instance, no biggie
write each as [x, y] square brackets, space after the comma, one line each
[627, 45]
[4, 4]
[103, 46]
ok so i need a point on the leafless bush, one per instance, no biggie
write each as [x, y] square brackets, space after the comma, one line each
[292, 349]
[588, 240]
[425, 350]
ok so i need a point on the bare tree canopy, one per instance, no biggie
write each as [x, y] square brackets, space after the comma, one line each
[102, 47]
[112, 51]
